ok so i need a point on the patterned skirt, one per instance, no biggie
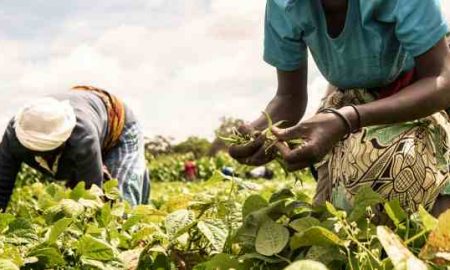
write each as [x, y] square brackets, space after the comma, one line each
[407, 161]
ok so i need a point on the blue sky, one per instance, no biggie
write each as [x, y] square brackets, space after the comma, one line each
[180, 64]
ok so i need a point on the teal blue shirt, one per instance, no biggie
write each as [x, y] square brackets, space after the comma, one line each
[379, 41]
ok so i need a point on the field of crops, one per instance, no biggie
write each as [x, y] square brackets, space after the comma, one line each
[217, 222]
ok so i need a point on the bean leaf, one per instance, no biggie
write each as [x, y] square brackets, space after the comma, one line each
[271, 238]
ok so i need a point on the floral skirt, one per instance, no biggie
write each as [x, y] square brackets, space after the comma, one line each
[407, 161]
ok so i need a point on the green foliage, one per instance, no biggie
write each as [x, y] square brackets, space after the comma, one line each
[218, 223]
[199, 147]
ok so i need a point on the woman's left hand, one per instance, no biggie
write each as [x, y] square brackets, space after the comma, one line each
[319, 133]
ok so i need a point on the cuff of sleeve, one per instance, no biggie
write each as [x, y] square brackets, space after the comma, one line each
[281, 65]
[429, 40]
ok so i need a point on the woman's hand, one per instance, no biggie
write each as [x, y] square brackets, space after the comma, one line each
[253, 153]
[319, 133]
[288, 105]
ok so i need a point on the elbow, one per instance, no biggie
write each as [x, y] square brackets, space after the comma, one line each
[444, 84]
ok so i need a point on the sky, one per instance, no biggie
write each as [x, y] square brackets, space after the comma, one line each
[179, 64]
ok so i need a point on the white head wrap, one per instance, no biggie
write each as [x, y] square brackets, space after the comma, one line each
[45, 124]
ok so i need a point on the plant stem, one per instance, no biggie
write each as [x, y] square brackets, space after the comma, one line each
[415, 237]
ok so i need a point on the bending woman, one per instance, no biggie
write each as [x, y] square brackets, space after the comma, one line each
[85, 134]
[384, 123]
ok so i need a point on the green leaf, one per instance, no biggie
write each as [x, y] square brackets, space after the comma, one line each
[395, 212]
[429, 222]
[47, 256]
[71, 208]
[253, 203]
[94, 264]
[178, 221]
[365, 198]
[78, 192]
[145, 232]
[7, 265]
[95, 249]
[216, 178]
[271, 238]
[5, 219]
[161, 262]
[215, 231]
[22, 231]
[246, 234]
[327, 255]
[306, 265]
[111, 189]
[315, 236]
[333, 211]
[222, 262]
[105, 214]
[57, 229]
[259, 257]
[399, 254]
[145, 259]
[282, 194]
[303, 224]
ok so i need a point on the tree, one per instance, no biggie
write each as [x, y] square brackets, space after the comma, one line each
[158, 145]
[195, 145]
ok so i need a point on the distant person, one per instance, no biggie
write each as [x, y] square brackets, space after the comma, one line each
[85, 134]
[190, 170]
[260, 172]
[228, 171]
[382, 122]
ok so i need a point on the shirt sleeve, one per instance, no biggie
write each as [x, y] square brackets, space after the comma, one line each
[86, 150]
[419, 24]
[283, 44]
[9, 168]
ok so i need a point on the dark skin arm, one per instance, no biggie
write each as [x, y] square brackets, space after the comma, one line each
[289, 104]
[430, 94]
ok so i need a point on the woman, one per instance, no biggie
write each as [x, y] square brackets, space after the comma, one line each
[85, 134]
[383, 124]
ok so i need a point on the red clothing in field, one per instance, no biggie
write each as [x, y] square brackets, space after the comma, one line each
[190, 170]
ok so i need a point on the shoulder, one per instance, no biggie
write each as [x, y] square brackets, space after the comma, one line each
[10, 143]
[84, 138]
[395, 10]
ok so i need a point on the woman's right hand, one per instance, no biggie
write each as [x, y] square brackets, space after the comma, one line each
[288, 105]
[253, 153]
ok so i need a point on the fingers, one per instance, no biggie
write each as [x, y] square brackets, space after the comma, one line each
[261, 157]
[286, 134]
[247, 150]
[298, 158]
[245, 129]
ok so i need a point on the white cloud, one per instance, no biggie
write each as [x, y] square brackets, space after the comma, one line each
[180, 64]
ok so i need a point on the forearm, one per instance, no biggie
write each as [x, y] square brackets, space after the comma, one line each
[421, 99]
[288, 109]
[9, 168]
[289, 103]
[430, 94]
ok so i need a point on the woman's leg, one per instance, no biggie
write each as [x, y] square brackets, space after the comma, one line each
[126, 163]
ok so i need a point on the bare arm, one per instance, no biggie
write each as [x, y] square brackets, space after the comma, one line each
[430, 94]
[290, 100]
[289, 104]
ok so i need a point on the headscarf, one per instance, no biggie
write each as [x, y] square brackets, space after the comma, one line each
[45, 124]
